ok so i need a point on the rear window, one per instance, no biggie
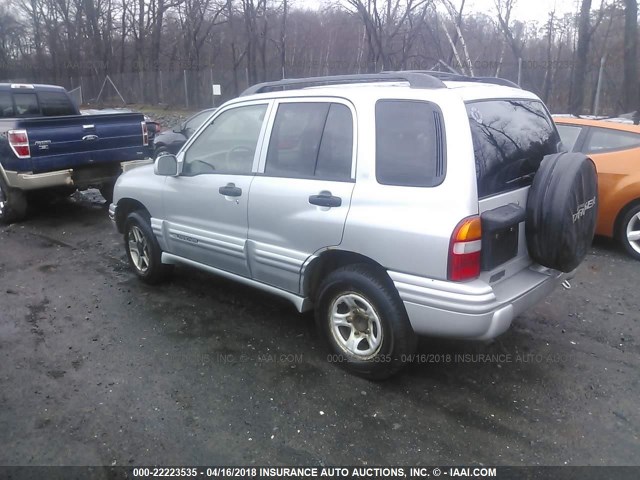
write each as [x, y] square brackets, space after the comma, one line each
[53, 104]
[510, 139]
[409, 143]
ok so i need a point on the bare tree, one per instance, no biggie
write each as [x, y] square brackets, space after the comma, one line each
[387, 24]
[585, 32]
[630, 78]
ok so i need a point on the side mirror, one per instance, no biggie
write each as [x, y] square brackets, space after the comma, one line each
[166, 165]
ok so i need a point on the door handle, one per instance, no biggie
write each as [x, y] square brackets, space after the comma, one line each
[230, 190]
[325, 199]
[88, 138]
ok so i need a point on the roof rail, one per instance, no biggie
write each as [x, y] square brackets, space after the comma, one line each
[456, 77]
[415, 79]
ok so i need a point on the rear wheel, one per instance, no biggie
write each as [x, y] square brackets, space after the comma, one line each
[361, 316]
[13, 203]
[629, 232]
[143, 250]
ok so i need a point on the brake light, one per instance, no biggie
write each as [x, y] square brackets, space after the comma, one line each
[145, 134]
[19, 143]
[465, 249]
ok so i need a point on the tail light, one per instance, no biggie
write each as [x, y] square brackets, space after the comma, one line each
[145, 134]
[19, 143]
[465, 249]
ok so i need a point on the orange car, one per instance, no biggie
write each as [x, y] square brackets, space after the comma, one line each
[614, 146]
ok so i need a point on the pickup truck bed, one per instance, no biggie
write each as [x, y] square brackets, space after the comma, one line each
[46, 144]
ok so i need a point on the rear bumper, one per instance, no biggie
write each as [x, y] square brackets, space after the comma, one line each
[473, 310]
[59, 178]
[36, 181]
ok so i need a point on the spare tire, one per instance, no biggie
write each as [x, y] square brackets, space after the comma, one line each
[561, 211]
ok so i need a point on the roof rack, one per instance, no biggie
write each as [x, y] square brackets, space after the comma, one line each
[456, 77]
[416, 79]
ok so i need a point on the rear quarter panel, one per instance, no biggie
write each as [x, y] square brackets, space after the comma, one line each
[618, 185]
[408, 229]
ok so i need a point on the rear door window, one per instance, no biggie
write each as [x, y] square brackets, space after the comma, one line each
[26, 104]
[409, 143]
[602, 139]
[54, 104]
[510, 139]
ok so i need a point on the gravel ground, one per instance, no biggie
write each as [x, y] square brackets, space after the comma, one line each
[99, 369]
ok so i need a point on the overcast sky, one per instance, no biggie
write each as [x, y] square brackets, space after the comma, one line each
[524, 10]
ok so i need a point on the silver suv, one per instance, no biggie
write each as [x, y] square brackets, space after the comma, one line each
[394, 204]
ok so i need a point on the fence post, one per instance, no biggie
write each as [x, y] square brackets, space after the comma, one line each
[520, 71]
[186, 89]
[596, 103]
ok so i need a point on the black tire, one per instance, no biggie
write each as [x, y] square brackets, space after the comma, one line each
[149, 269]
[13, 204]
[630, 223]
[561, 211]
[397, 340]
[106, 191]
[160, 151]
[44, 198]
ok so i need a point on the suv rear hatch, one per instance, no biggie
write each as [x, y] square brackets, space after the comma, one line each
[510, 139]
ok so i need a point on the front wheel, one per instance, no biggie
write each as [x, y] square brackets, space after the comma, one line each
[629, 233]
[160, 151]
[106, 190]
[143, 250]
[360, 314]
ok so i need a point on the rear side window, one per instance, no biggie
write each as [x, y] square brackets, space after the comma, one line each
[26, 104]
[569, 136]
[311, 140]
[409, 143]
[510, 139]
[6, 105]
[601, 139]
[55, 104]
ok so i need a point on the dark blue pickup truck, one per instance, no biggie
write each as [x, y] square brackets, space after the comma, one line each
[46, 145]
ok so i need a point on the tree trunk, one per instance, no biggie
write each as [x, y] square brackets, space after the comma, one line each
[630, 76]
[584, 36]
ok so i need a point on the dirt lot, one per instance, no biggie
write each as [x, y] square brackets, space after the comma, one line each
[99, 369]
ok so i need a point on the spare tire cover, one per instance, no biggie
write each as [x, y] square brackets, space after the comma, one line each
[561, 211]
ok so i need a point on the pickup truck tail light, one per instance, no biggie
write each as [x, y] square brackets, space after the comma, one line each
[465, 250]
[19, 143]
[145, 134]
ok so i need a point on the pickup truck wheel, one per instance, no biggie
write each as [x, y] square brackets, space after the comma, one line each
[143, 250]
[361, 316]
[629, 232]
[13, 204]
